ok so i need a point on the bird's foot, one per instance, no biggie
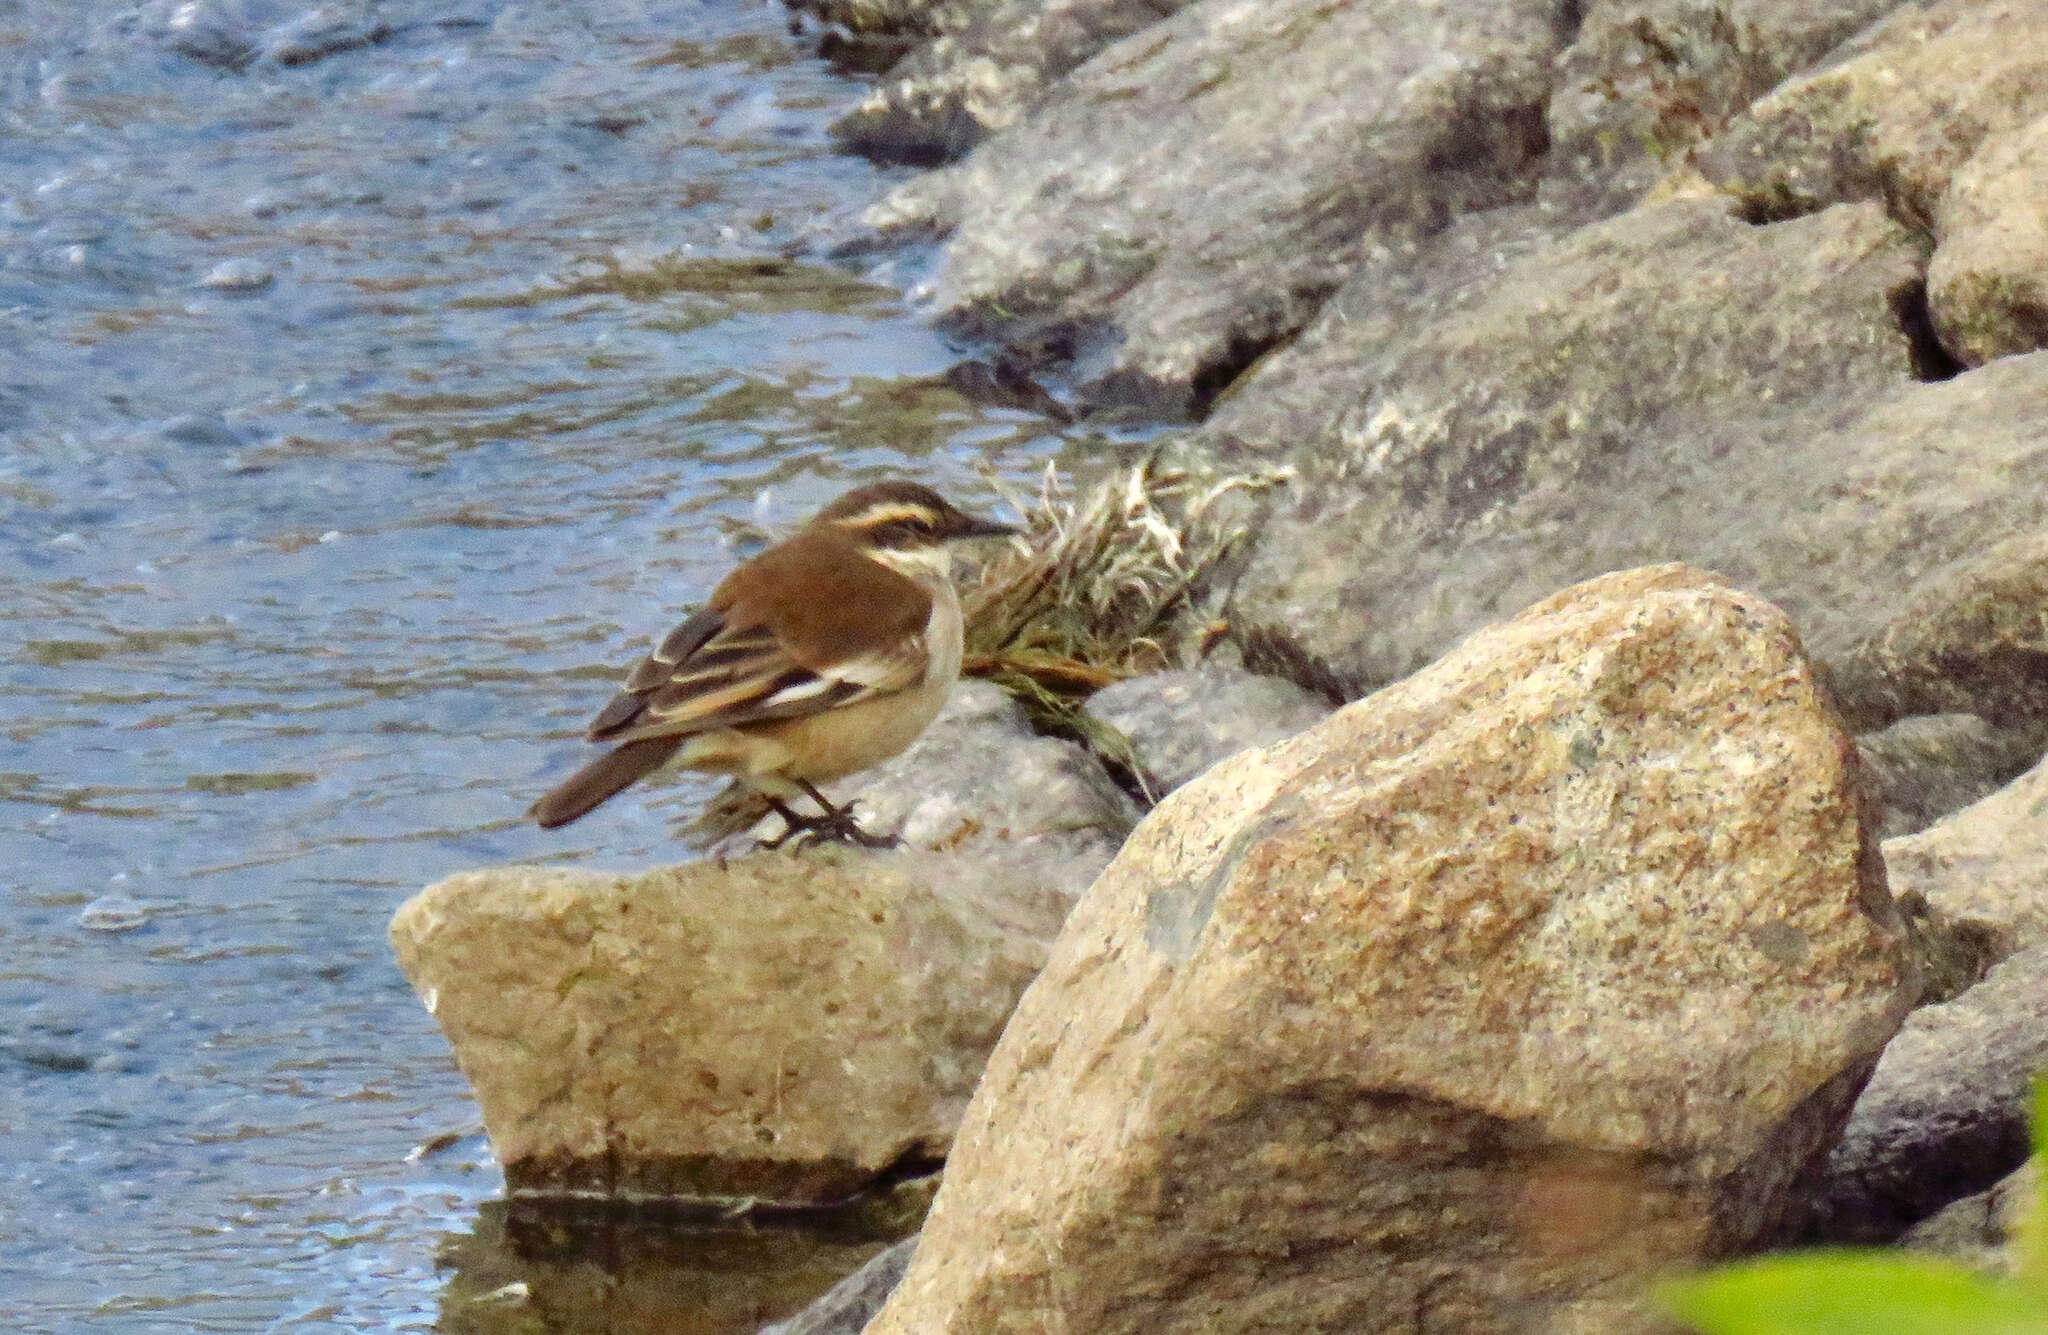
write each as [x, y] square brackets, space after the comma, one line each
[836, 824]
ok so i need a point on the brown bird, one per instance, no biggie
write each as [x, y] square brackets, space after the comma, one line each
[824, 655]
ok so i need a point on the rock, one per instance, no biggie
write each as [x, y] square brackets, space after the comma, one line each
[1553, 965]
[1646, 80]
[323, 31]
[1180, 723]
[846, 1308]
[916, 18]
[205, 429]
[1305, 136]
[1925, 767]
[784, 1028]
[948, 95]
[1970, 636]
[1669, 384]
[238, 275]
[1945, 1114]
[1987, 286]
[1987, 864]
[1977, 1229]
[221, 33]
[979, 780]
[1901, 108]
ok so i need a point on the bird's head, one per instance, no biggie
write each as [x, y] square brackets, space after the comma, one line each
[906, 525]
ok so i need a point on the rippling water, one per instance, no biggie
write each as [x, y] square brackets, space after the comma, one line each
[361, 412]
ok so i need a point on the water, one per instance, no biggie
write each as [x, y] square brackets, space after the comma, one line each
[360, 417]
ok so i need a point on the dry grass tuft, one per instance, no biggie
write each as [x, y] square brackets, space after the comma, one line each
[1092, 591]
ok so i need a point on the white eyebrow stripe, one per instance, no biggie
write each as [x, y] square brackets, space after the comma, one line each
[888, 513]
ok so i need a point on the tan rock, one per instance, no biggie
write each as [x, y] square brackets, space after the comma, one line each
[1986, 865]
[783, 1028]
[1910, 101]
[1987, 286]
[1548, 967]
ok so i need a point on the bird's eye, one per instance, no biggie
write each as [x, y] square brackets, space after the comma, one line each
[903, 532]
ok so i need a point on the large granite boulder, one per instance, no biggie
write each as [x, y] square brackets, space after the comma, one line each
[1189, 196]
[783, 1028]
[1554, 965]
[1669, 384]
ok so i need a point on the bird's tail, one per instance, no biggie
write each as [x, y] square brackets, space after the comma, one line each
[588, 787]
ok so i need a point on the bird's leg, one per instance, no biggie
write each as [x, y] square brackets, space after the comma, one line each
[838, 823]
[792, 824]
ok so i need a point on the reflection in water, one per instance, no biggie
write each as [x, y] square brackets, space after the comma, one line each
[519, 1273]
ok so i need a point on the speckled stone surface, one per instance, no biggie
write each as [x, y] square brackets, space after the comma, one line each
[1305, 135]
[782, 1028]
[1904, 104]
[1553, 965]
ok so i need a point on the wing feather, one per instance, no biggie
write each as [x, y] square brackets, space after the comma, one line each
[751, 659]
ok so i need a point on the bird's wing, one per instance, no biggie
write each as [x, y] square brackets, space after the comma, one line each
[754, 653]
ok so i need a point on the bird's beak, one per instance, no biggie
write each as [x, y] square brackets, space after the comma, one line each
[985, 528]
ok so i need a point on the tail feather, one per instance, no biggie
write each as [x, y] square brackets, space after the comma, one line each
[590, 786]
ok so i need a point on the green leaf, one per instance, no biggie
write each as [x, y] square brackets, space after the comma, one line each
[1845, 1292]
[2030, 1237]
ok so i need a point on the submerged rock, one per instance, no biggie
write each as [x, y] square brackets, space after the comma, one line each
[789, 1029]
[1555, 965]
[848, 1306]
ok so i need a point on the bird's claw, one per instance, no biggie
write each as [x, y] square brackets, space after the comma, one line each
[836, 824]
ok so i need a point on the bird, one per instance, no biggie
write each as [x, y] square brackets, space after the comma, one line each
[822, 656]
